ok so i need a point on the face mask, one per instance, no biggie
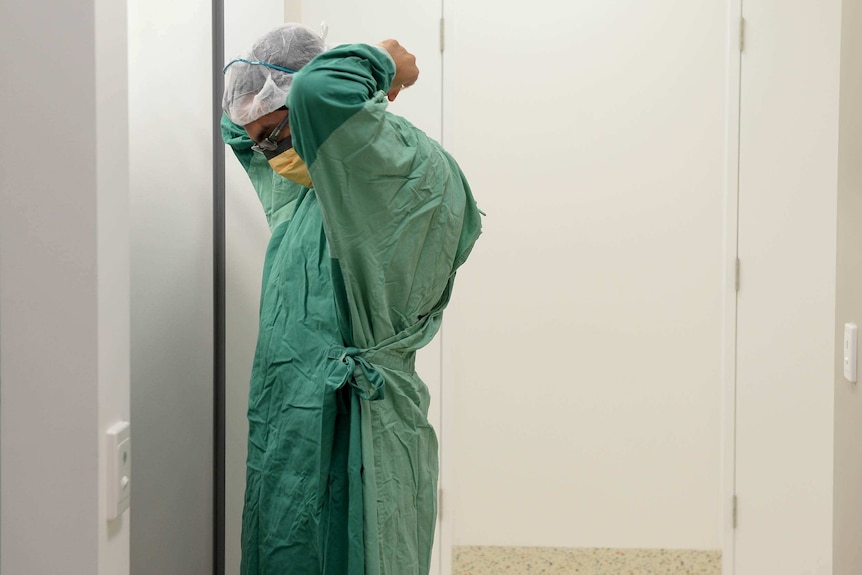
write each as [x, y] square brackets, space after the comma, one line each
[287, 163]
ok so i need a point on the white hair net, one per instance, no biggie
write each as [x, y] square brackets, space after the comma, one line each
[258, 82]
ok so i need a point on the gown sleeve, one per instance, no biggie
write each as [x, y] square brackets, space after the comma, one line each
[397, 210]
[277, 195]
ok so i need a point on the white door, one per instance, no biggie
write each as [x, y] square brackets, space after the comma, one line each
[589, 316]
[785, 338]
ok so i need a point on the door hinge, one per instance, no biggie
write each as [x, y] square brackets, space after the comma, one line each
[439, 503]
[736, 276]
[741, 34]
[442, 34]
[734, 511]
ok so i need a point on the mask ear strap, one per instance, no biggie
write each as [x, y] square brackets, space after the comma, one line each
[279, 129]
[324, 31]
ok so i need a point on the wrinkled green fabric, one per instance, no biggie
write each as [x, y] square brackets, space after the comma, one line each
[277, 195]
[342, 465]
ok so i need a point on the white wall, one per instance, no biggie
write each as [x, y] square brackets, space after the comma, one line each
[847, 523]
[170, 81]
[586, 329]
[64, 297]
[113, 222]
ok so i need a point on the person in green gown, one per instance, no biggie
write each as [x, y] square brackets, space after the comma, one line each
[370, 220]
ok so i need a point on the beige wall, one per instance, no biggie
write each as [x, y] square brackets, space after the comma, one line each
[293, 10]
[848, 399]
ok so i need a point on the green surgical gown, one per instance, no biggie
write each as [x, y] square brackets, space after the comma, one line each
[342, 461]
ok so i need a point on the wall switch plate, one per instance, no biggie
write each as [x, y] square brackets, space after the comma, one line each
[119, 469]
[850, 346]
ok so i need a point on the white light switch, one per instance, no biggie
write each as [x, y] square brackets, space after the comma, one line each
[119, 469]
[850, 346]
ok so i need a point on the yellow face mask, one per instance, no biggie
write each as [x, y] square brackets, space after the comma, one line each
[287, 164]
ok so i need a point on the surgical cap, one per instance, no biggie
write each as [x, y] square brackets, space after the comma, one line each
[258, 82]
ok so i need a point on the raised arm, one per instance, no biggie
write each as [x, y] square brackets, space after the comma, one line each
[236, 137]
[338, 83]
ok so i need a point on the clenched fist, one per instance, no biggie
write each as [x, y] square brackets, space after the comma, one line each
[406, 71]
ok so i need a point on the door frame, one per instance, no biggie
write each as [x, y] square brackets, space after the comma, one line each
[448, 487]
[730, 288]
[219, 292]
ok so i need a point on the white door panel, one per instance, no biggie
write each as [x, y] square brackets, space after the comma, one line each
[785, 339]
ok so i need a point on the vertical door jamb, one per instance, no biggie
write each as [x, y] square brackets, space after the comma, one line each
[731, 284]
[219, 278]
[447, 400]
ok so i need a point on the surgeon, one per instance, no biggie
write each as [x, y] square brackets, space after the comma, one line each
[370, 220]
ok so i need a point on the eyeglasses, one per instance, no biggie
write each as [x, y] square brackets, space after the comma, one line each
[270, 143]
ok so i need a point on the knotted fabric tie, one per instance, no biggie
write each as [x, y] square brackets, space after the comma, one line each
[361, 375]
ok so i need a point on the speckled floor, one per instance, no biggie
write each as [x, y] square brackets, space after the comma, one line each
[561, 561]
